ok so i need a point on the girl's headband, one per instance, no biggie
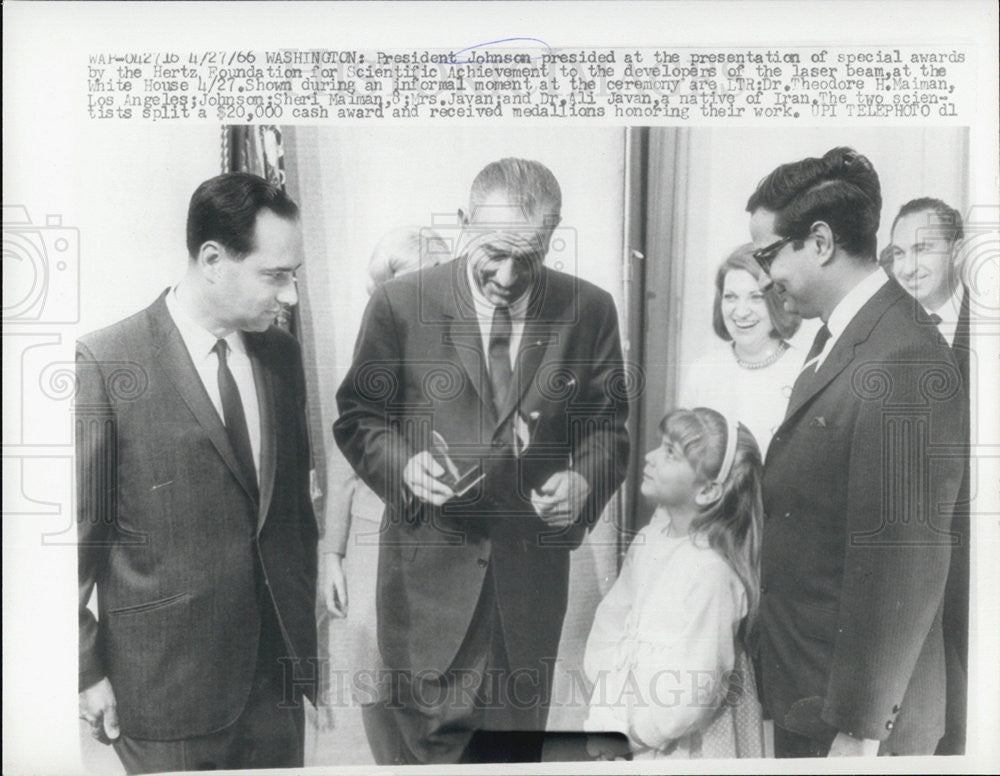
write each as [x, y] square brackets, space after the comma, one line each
[732, 431]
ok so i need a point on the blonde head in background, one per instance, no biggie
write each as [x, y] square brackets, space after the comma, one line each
[405, 249]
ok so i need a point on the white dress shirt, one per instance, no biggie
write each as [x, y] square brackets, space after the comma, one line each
[948, 313]
[200, 344]
[484, 313]
[848, 307]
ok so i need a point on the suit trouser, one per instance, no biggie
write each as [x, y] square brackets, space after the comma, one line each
[789, 744]
[269, 733]
[956, 700]
[477, 711]
[956, 637]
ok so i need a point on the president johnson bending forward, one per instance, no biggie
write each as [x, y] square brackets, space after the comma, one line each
[518, 370]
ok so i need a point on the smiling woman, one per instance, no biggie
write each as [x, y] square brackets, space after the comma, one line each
[752, 378]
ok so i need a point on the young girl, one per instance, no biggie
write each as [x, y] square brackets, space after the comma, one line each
[667, 650]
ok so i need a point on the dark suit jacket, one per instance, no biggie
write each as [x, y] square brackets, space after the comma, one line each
[168, 528]
[956, 609]
[956, 594]
[418, 366]
[859, 486]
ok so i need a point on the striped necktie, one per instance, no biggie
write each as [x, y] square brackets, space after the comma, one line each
[822, 336]
[809, 366]
[499, 355]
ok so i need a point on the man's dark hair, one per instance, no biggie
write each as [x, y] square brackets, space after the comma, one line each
[841, 189]
[225, 208]
[951, 219]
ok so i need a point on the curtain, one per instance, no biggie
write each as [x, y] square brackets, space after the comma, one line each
[658, 181]
[260, 150]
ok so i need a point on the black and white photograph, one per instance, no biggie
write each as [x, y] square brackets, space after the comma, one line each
[500, 444]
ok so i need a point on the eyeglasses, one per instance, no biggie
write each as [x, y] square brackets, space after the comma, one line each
[766, 255]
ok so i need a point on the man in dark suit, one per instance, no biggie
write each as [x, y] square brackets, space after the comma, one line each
[926, 242]
[517, 370]
[195, 520]
[860, 480]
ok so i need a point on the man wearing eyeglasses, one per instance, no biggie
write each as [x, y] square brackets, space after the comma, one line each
[860, 481]
[497, 371]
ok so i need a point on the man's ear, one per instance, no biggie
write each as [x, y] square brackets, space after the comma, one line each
[463, 219]
[550, 222]
[709, 493]
[958, 257]
[821, 236]
[887, 256]
[210, 256]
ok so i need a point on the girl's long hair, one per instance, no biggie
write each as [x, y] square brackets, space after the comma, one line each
[732, 523]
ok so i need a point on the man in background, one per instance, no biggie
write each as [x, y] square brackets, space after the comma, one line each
[194, 516]
[923, 255]
[926, 240]
[496, 373]
[857, 541]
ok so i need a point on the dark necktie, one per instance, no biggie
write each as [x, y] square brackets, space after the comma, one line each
[934, 318]
[817, 347]
[233, 415]
[499, 355]
[809, 369]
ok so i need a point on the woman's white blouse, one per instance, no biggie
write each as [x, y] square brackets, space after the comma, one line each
[757, 398]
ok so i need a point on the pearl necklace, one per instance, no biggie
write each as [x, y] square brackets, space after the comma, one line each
[766, 361]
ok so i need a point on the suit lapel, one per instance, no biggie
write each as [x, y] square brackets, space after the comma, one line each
[857, 331]
[832, 366]
[962, 330]
[961, 344]
[465, 336]
[172, 353]
[268, 443]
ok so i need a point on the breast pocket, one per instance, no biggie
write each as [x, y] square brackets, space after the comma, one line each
[823, 432]
[823, 423]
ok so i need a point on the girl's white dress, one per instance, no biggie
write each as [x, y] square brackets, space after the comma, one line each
[663, 655]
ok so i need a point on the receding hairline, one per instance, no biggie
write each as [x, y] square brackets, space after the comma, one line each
[527, 183]
[943, 226]
[294, 218]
